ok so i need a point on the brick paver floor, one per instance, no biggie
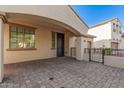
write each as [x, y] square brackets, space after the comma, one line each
[62, 73]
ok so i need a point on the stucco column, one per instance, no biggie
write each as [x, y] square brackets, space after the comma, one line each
[80, 48]
[1, 51]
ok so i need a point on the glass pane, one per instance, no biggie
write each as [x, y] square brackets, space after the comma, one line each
[53, 39]
[12, 28]
[13, 34]
[14, 45]
[13, 37]
[29, 39]
[20, 40]
[21, 37]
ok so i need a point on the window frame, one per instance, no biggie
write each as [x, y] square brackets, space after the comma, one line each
[54, 39]
[114, 27]
[25, 27]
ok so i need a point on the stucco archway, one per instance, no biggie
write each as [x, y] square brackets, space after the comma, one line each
[38, 21]
[64, 14]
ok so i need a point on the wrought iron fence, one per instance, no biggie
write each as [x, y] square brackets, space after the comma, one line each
[93, 50]
[115, 52]
[95, 54]
[105, 51]
[98, 54]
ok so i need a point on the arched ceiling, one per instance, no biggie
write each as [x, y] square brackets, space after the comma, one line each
[61, 16]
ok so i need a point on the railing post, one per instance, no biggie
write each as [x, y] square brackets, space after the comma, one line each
[103, 54]
[89, 54]
[71, 52]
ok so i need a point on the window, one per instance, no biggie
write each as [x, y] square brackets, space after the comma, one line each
[117, 26]
[120, 29]
[114, 26]
[53, 40]
[114, 30]
[21, 37]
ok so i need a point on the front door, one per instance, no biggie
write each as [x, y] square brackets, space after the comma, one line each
[60, 44]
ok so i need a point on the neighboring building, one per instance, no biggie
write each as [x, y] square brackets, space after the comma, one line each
[39, 32]
[108, 34]
[121, 45]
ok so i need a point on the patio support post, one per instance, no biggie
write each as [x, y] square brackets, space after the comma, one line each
[1, 51]
[80, 48]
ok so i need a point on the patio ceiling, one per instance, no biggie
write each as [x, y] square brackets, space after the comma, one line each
[37, 22]
[33, 21]
[61, 14]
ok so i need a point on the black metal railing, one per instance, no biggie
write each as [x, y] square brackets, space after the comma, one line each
[105, 51]
[115, 52]
[93, 50]
[98, 54]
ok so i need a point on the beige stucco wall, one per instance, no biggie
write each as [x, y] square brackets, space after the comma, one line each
[114, 61]
[72, 41]
[105, 43]
[121, 44]
[43, 46]
[86, 42]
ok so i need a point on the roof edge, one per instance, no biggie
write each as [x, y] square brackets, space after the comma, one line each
[88, 36]
[105, 22]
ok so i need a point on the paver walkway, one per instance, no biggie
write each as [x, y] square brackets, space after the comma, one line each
[62, 73]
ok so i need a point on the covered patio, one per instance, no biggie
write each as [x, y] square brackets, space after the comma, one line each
[32, 33]
[64, 72]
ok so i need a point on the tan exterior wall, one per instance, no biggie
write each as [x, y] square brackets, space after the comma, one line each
[105, 43]
[114, 61]
[121, 44]
[42, 44]
[86, 42]
[73, 38]
[72, 42]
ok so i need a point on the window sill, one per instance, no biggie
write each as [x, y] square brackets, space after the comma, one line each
[20, 49]
[53, 48]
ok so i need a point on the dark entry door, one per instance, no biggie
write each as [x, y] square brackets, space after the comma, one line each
[60, 44]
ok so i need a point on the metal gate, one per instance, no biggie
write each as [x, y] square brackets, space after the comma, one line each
[95, 54]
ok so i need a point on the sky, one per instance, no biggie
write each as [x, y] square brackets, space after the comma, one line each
[94, 14]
